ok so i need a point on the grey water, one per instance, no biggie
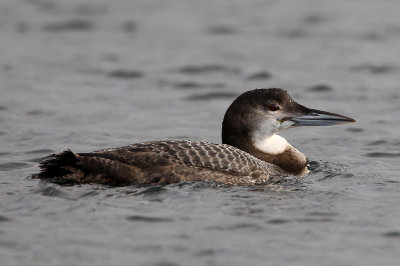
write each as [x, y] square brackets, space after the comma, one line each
[88, 75]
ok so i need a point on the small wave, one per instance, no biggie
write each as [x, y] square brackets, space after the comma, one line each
[382, 155]
[326, 170]
[151, 191]
[148, 219]
[212, 68]
[278, 221]
[196, 85]
[263, 75]
[321, 88]
[354, 130]
[13, 166]
[221, 30]
[4, 219]
[129, 26]
[71, 25]
[211, 96]
[51, 192]
[377, 142]
[125, 74]
[392, 234]
[373, 69]
[39, 151]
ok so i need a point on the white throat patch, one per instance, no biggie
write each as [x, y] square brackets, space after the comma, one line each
[273, 144]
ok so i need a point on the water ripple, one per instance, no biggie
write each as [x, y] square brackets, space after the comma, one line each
[327, 169]
[210, 68]
[12, 166]
[147, 219]
[212, 96]
[382, 155]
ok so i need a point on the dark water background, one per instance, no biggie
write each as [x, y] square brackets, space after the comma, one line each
[87, 75]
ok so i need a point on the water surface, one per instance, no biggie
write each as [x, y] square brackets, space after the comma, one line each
[88, 75]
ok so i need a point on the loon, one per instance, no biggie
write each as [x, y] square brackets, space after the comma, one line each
[250, 154]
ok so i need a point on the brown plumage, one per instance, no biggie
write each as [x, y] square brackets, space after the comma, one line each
[160, 162]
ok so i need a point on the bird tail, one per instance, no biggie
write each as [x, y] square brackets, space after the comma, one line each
[61, 168]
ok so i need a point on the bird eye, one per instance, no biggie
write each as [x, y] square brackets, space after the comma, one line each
[274, 107]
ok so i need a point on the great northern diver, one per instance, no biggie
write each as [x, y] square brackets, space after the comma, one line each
[251, 152]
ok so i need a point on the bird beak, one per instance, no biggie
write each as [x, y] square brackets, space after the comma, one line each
[320, 118]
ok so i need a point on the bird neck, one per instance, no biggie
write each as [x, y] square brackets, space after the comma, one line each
[273, 149]
[276, 150]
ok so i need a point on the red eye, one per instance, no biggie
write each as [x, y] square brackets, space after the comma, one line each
[273, 107]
